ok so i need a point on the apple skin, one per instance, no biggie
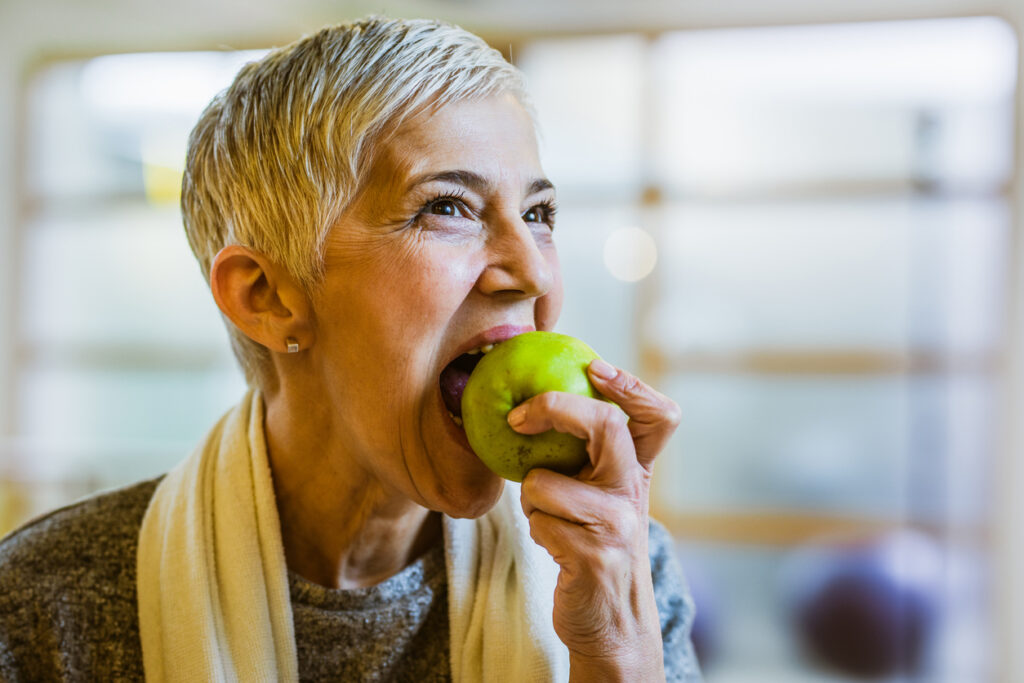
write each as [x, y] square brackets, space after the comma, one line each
[514, 371]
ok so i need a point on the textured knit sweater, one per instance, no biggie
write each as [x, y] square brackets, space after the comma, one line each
[68, 609]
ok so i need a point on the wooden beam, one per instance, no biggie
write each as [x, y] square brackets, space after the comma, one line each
[814, 362]
[788, 528]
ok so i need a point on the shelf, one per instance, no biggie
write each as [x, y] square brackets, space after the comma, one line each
[785, 528]
[816, 362]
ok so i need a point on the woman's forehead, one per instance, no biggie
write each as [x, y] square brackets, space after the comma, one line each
[469, 142]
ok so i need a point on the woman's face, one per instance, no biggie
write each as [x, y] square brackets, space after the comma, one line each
[448, 247]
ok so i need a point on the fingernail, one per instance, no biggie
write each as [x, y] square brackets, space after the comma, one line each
[602, 369]
[517, 416]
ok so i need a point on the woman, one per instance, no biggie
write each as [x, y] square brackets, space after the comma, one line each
[368, 206]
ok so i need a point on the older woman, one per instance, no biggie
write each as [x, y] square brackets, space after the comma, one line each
[368, 206]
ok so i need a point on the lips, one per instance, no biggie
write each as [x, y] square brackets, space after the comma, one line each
[453, 377]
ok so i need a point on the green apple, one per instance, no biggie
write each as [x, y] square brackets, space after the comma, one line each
[514, 371]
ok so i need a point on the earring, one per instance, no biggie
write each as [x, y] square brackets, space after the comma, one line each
[293, 345]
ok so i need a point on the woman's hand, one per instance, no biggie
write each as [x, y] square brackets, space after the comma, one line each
[595, 524]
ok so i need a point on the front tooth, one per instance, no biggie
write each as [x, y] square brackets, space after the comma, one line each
[473, 352]
[457, 420]
[486, 348]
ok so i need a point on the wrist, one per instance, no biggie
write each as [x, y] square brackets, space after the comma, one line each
[630, 668]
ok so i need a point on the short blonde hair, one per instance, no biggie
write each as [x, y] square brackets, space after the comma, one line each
[275, 159]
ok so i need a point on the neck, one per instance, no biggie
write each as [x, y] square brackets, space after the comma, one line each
[341, 527]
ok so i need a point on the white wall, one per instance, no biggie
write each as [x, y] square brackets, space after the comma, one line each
[1008, 594]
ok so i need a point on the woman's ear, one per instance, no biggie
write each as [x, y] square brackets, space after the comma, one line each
[261, 298]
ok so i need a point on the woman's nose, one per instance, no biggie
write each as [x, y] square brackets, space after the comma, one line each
[516, 264]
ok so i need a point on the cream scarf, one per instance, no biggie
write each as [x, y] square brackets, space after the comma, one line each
[213, 586]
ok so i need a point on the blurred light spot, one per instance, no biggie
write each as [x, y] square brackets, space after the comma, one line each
[163, 164]
[630, 254]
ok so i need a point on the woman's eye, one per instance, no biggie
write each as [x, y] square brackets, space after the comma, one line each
[539, 214]
[444, 207]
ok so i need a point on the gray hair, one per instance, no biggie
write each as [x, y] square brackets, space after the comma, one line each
[276, 158]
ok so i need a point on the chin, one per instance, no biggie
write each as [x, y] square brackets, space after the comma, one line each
[459, 485]
[472, 498]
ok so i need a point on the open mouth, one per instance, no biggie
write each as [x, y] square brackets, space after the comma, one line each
[454, 377]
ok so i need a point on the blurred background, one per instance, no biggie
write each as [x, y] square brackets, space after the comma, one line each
[799, 219]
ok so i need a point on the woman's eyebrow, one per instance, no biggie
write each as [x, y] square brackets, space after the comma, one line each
[473, 181]
[540, 184]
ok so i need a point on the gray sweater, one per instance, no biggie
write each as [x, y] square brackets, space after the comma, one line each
[68, 606]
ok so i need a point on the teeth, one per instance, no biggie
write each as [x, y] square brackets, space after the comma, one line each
[455, 418]
[486, 348]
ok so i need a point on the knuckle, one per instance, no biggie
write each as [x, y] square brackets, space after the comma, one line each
[628, 528]
[673, 413]
[602, 562]
[611, 417]
[530, 487]
[535, 530]
[549, 401]
[610, 559]
[632, 499]
[629, 384]
[526, 486]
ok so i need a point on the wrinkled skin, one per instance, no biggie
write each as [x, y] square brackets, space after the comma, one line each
[595, 524]
[448, 246]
